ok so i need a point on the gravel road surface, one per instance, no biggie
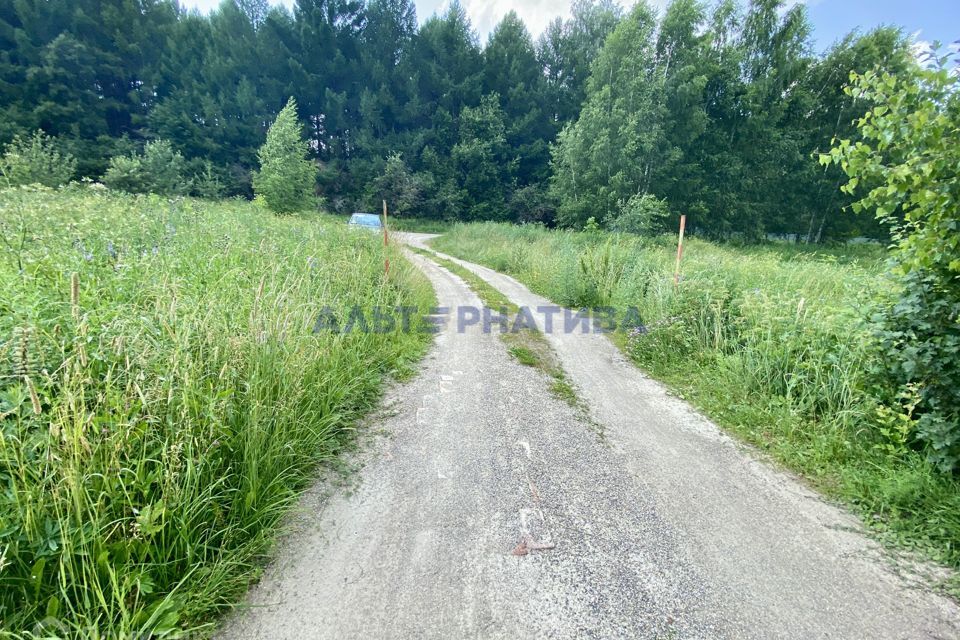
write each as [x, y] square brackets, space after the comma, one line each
[661, 527]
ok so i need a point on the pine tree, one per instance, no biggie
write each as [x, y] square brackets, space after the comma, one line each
[287, 176]
[511, 71]
[482, 160]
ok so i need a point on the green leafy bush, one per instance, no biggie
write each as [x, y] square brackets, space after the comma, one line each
[208, 182]
[287, 178]
[532, 204]
[164, 168]
[401, 188]
[918, 332]
[159, 169]
[36, 160]
[125, 174]
[908, 159]
[640, 214]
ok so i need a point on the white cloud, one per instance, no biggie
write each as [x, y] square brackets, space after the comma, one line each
[922, 50]
[484, 14]
[536, 14]
[206, 6]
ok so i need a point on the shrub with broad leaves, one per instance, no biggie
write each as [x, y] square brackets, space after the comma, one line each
[159, 169]
[908, 158]
[36, 160]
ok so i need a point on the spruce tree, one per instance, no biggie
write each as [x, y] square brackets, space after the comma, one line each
[287, 176]
[511, 71]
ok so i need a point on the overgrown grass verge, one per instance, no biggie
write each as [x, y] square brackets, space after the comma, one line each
[164, 398]
[526, 345]
[418, 225]
[768, 341]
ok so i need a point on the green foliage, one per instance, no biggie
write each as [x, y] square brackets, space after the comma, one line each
[287, 177]
[402, 190]
[640, 214]
[605, 157]
[163, 168]
[164, 398]
[918, 334]
[769, 341]
[82, 70]
[125, 174]
[833, 114]
[369, 82]
[716, 108]
[208, 183]
[36, 160]
[512, 72]
[907, 163]
[482, 160]
[159, 169]
[532, 204]
[715, 111]
[566, 50]
[418, 225]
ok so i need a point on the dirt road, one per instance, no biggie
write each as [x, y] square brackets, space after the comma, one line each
[661, 528]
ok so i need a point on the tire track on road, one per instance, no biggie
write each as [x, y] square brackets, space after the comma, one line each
[774, 559]
[423, 546]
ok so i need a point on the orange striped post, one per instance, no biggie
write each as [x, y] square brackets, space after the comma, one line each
[386, 241]
[676, 272]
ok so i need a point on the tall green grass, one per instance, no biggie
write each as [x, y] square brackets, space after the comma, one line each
[418, 225]
[770, 341]
[163, 397]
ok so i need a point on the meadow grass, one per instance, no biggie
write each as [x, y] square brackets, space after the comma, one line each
[418, 225]
[164, 397]
[769, 341]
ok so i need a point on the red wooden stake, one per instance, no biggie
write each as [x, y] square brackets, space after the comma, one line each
[676, 273]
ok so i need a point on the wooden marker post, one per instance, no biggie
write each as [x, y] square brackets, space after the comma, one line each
[386, 241]
[676, 273]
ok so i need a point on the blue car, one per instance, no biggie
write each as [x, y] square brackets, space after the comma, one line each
[366, 221]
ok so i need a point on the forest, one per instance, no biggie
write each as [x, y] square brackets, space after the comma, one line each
[615, 119]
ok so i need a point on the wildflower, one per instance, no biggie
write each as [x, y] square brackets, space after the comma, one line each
[135, 528]
[79, 246]
[639, 330]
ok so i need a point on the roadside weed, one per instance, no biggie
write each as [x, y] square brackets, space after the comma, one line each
[163, 397]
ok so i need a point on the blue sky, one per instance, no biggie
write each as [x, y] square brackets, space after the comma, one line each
[832, 19]
[933, 19]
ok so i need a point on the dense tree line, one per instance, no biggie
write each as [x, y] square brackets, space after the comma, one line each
[712, 110]
[719, 113]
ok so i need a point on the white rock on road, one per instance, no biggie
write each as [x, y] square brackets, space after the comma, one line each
[664, 529]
